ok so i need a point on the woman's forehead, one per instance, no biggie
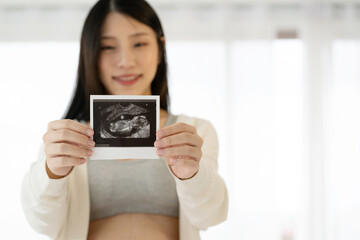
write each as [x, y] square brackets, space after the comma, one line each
[118, 23]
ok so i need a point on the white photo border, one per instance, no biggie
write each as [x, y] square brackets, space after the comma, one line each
[112, 153]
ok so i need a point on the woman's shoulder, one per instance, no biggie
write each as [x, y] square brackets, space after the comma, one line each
[200, 123]
[190, 119]
[204, 128]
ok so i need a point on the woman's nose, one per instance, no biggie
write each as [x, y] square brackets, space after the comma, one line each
[126, 59]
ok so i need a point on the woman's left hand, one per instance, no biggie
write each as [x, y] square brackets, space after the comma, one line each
[180, 146]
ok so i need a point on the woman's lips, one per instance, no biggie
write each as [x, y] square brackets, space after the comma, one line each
[127, 79]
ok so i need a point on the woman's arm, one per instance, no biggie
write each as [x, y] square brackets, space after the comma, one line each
[44, 200]
[203, 198]
[44, 193]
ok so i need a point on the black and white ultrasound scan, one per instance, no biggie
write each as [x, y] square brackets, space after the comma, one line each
[122, 122]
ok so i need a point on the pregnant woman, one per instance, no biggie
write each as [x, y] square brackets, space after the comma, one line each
[65, 196]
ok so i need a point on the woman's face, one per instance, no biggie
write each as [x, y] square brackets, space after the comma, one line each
[129, 55]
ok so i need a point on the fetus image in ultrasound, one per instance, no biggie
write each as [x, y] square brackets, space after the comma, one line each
[124, 120]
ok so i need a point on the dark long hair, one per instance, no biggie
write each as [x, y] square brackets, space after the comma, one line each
[88, 80]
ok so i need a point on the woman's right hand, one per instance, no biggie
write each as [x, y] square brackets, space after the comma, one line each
[67, 144]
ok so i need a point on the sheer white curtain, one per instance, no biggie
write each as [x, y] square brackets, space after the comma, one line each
[281, 84]
[289, 159]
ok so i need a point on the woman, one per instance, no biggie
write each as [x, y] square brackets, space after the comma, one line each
[65, 196]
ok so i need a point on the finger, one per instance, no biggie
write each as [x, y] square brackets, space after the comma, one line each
[170, 160]
[184, 168]
[68, 136]
[57, 149]
[66, 161]
[183, 150]
[71, 125]
[179, 160]
[174, 129]
[179, 139]
[184, 162]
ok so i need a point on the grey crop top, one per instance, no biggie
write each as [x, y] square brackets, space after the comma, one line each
[136, 186]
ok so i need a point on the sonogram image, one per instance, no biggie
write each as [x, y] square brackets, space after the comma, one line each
[124, 120]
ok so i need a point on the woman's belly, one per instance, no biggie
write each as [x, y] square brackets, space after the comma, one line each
[135, 226]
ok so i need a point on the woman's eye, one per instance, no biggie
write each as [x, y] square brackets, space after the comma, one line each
[140, 44]
[107, 48]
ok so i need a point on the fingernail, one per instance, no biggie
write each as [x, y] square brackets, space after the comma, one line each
[89, 132]
[83, 160]
[158, 143]
[173, 161]
[89, 153]
[91, 143]
[159, 134]
[160, 152]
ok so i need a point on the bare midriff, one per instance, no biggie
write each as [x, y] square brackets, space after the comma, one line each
[135, 226]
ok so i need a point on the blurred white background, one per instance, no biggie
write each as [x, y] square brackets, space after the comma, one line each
[279, 79]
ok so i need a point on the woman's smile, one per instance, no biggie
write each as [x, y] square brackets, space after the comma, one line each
[128, 79]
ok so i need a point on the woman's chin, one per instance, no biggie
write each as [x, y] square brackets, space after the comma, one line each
[131, 90]
[129, 93]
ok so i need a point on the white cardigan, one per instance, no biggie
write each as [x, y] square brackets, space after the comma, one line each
[60, 208]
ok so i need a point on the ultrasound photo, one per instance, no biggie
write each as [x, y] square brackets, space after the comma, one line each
[124, 122]
[124, 126]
